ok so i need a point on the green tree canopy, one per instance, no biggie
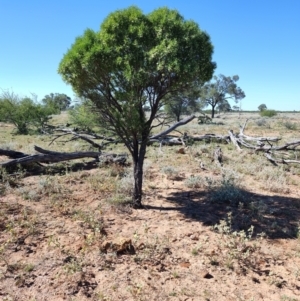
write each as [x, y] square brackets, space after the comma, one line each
[262, 107]
[183, 102]
[223, 88]
[133, 62]
[224, 106]
[57, 101]
[83, 116]
[23, 112]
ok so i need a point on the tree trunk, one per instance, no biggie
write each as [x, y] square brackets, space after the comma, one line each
[138, 162]
[212, 111]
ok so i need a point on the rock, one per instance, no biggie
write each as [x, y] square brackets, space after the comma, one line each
[205, 274]
[185, 264]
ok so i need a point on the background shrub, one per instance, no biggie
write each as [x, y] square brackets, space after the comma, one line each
[268, 113]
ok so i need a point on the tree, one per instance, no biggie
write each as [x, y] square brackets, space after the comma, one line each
[183, 102]
[223, 88]
[224, 106]
[262, 107]
[23, 112]
[82, 116]
[132, 63]
[57, 101]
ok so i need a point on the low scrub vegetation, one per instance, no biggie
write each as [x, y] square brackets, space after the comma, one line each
[268, 113]
[202, 219]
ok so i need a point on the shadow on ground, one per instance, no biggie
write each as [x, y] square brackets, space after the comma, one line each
[276, 216]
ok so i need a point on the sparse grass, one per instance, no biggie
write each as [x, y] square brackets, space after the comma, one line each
[226, 190]
[170, 171]
[261, 122]
[194, 182]
[290, 125]
[61, 218]
[287, 298]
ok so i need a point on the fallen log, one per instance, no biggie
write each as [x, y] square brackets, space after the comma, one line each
[234, 139]
[225, 138]
[243, 136]
[282, 161]
[173, 127]
[47, 156]
[12, 154]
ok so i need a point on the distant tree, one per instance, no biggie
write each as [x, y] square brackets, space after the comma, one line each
[223, 88]
[23, 112]
[262, 107]
[182, 103]
[134, 61]
[224, 106]
[83, 116]
[57, 101]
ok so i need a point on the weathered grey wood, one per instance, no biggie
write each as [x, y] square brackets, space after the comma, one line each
[211, 136]
[47, 156]
[218, 155]
[173, 127]
[86, 137]
[233, 139]
[168, 141]
[282, 161]
[50, 158]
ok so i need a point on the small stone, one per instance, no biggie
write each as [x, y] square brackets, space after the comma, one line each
[205, 274]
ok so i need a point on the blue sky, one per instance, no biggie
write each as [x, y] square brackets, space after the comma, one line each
[259, 40]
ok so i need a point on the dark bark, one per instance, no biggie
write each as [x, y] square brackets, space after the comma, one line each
[138, 163]
[46, 156]
[212, 111]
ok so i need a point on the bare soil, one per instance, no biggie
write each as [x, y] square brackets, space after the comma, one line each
[69, 235]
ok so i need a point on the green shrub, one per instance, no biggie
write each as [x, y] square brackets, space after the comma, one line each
[268, 113]
[23, 112]
[290, 125]
[261, 122]
[194, 182]
[170, 171]
[226, 190]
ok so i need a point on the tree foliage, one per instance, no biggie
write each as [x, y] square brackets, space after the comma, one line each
[58, 101]
[262, 107]
[83, 116]
[223, 88]
[132, 63]
[182, 103]
[23, 112]
[224, 106]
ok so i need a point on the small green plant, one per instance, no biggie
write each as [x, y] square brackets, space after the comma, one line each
[290, 125]
[125, 186]
[268, 113]
[92, 220]
[226, 190]
[194, 182]
[195, 251]
[287, 298]
[170, 171]
[175, 275]
[29, 268]
[236, 243]
[261, 122]
[73, 265]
